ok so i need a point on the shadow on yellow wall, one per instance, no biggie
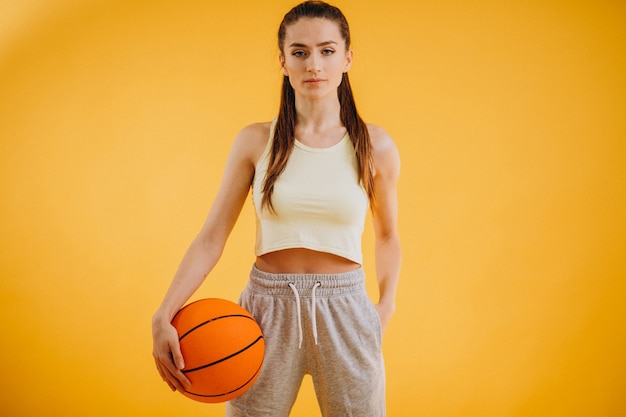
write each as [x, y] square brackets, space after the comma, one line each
[115, 122]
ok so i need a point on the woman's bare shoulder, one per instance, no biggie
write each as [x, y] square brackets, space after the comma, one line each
[383, 145]
[257, 129]
[252, 139]
[255, 133]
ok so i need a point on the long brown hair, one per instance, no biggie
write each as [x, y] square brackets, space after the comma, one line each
[284, 134]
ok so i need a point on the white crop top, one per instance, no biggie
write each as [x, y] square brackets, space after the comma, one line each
[319, 202]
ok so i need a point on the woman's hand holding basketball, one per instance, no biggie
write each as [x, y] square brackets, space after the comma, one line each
[167, 355]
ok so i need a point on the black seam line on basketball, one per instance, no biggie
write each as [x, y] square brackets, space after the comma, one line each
[224, 358]
[229, 392]
[211, 320]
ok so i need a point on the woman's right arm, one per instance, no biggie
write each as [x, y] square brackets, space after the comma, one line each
[205, 250]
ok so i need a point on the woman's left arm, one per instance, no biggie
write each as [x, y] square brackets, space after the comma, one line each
[388, 251]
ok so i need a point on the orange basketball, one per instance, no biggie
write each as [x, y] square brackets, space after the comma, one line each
[223, 349]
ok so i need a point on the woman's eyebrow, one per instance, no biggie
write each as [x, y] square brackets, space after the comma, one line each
[301, 45]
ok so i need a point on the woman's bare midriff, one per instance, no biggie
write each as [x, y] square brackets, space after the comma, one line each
[304, 261]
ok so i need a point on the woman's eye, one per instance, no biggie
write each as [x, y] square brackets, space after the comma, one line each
[298, 53]
[327, 52]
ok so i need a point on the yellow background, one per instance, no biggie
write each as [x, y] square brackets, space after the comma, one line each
[116, 117]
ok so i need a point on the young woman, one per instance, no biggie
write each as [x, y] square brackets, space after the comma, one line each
[314, 172]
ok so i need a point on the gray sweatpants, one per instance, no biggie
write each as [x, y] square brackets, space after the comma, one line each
[319, 324]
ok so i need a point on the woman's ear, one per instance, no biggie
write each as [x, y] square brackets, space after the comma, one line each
[349, 57]
[281, 59]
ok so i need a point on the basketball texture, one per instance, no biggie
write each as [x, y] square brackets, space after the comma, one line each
[223, 349]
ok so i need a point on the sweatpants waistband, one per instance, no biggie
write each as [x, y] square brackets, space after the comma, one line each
[330, 284]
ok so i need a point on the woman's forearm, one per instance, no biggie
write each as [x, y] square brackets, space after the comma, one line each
[198, 261]
[388, 263]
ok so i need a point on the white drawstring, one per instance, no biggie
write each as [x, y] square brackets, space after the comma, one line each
[295, 292]
[313, 317]
[299, 311]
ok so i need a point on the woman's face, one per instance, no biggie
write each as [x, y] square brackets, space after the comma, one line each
[314, 57]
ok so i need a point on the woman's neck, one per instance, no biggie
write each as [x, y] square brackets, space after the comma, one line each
[315, 115]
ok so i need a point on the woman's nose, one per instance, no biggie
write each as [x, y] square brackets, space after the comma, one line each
[313, 65]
